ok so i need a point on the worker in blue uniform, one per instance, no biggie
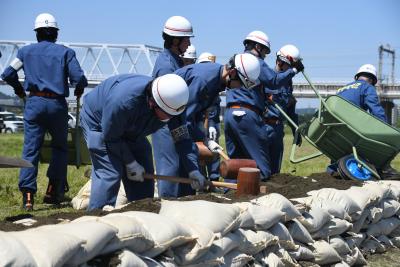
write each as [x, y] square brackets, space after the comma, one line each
[116, 117]
[177, 32]
[285, 99]
[362, 93]
[211, 121]
[47, 67]
[257, 43]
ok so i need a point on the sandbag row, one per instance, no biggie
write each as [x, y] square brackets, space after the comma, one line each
[328, 227]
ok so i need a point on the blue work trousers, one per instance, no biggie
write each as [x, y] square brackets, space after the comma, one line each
[43, 115]
[168, 163]
[276, 148]
[108, 169]
[247, 137]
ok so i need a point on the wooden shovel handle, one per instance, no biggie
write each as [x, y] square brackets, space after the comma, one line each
[182, 180]
[223, 154]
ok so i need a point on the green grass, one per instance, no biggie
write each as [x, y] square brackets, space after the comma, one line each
[10, 197]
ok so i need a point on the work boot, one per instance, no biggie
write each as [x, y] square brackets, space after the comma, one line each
[388, 173]
[27, 200]
[51, 196]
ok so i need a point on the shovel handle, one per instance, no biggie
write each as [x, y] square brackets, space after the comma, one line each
[223, 154]
[182, 180]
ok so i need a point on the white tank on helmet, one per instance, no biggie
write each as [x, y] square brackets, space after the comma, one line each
[248, 68]
[45, 20]
[190, 52]
[171, 93]
[258, 37]
[369, 69]
[206, 57]
[178, 26]
[289, 54]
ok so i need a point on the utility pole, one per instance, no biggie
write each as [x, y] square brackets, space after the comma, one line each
[391, 52]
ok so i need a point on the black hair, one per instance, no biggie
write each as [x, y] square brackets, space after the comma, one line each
[249, 45]
[168, 40]
[47, 34]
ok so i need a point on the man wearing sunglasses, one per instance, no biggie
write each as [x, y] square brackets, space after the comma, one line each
[116, 118]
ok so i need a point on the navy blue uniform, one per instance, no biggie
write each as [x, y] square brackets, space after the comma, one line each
[363, 95]
[213, 121]
[116, 120]
[47, 67]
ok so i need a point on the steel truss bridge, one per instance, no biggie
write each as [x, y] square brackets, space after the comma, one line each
[100, 61]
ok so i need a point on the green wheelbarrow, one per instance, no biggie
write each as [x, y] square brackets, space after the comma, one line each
[78, 153]
[360, 143]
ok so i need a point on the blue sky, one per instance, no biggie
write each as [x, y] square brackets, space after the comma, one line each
[334, 37]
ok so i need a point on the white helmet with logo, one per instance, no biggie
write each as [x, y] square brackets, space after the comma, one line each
[190, 52]
[248, 68]
[206, 57]
[178, 26]
[289, 54]
[258, 37]
[368, 69]
[45, 20]
[171, 93]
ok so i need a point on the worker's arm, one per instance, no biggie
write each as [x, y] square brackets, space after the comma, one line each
[75, 73]
[272, 79]
[213, 113]
[10, 75]
[184, 144]
[116, 119]
[372, 102]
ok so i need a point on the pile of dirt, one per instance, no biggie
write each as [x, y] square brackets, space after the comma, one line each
[288, 185]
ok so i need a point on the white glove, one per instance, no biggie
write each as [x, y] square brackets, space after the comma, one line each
[198, 180]
[213, 146]
[134, 171]
[212, 133]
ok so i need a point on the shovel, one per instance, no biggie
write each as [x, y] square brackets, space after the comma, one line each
[6, 162]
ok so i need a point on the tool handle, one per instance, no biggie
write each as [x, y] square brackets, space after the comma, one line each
[223, 154]
[182, 180]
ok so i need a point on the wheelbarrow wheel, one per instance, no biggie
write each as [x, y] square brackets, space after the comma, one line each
[349, 168]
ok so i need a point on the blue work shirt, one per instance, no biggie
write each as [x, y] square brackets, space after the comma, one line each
[363, 95]
[119, 108]
[214, 112]
[167, 62]
[281, 97]
[254, 97]
[204, 82]
[47, 67]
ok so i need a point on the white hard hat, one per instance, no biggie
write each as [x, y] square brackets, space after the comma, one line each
[368, 69]
[258, 37]
[45, 20]
[248, 68]
[289, 54]
[178, 26]
[171, 93]
[190, 52]
[206, 57]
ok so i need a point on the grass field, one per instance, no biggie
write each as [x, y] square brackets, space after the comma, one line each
[10, 197]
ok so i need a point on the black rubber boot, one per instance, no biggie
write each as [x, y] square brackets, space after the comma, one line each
[53, 195]
[27, 200]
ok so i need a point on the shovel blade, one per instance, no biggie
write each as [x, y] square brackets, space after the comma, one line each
[6, 162]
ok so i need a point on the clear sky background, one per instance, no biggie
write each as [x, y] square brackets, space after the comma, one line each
[334, 37]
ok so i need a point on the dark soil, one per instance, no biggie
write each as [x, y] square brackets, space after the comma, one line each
[288, 185]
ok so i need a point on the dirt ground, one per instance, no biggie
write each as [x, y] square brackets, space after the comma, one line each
[288, 185]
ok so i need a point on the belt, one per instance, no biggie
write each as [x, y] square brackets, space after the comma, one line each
[250, 107]
[44, 94]
[272, 121]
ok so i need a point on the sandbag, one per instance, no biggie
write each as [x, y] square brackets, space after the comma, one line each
[395, 232]
[341, 264]
[372, 246]
[235, 258]
[331, 207]
[191, 251]
[279, 202]
[302, 253]
[380, 190]
[325, 253]
[129, 259]
[47, 248]
[389, 207]
[314, 219]
[375, 214]
[394, 187]
[272, 260]
[340, 245]
[285, 239]
[333, 227]
[95, 234]
[217, 217]
[355, 239]
[340, 197]
[396, 241]
[358, 225]
[383, 227]
[165, 232]
[363, 197]
[299, 232]
[258, 216]
[252, 242]
[14, 253]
